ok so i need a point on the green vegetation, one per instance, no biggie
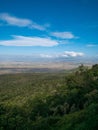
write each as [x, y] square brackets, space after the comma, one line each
[46, 101]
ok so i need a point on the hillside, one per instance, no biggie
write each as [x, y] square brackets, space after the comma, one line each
[50, 101]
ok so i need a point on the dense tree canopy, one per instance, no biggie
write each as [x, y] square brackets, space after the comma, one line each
[50, 101]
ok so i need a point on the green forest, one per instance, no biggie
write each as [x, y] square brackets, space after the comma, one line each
[50, 101]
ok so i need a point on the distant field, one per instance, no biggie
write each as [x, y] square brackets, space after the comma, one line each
[21, 67]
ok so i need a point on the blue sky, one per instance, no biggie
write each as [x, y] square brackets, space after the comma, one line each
[49, 28]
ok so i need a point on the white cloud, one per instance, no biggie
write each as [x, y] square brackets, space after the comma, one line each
[64, 35]
[46, 56]
[92, 45]
[12, 20]
[66, 54]
[72, 54]
[29, 41]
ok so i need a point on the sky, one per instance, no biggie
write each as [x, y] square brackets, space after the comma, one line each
[49, 28]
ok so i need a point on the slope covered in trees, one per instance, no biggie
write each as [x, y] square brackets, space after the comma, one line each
[50, 101]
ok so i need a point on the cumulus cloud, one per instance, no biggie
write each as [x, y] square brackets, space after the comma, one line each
[12, 20]
[29, 41]
[66, 54]
[72, 54]
[64, 35]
